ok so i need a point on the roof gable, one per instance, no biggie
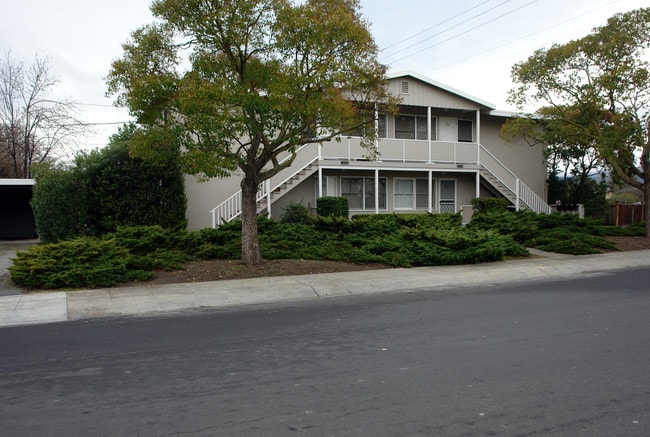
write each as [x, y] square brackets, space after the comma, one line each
[482, 104]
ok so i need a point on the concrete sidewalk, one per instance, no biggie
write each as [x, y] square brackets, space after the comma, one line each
[58, 306]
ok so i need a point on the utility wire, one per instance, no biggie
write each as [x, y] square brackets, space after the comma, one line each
[463, 33]
[523, 37]
[448, 29]
[434, 26]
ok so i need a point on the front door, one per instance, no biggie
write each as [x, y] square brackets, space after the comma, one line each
[448, 195]
[448, 128]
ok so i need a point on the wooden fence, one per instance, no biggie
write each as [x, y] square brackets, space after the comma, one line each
[625, 215]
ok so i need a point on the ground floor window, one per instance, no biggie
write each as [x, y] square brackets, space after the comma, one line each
[328, 186]
[360, 192]
[422, 193]
[413, 193]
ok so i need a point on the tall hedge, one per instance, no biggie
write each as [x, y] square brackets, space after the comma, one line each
[106, 189]
[58, 203]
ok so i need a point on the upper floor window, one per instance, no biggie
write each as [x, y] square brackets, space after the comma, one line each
[370, 126]
[465, 131]
[414, 127]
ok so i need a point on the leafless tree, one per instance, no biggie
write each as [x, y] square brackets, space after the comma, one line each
[34, 126]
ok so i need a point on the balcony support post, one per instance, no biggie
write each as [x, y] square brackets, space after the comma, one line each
[268, 197]
[517, 193]
[430, 190]
[429, 126]
[320, 181]
[376, 191]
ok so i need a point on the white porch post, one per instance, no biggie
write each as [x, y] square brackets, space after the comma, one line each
[376, 132]
[478, 184]
[376, 191]
[478, 126]
[268, 198]
[320, 181]
[429, 132]
[517, 194]
[430, 191]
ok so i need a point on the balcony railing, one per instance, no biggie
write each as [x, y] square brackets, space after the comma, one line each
[400, 150]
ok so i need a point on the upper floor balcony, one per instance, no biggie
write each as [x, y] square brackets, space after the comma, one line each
[401, 150]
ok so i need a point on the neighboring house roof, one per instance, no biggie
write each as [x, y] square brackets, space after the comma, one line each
[443, 87]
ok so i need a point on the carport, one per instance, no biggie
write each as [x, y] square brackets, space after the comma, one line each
[16, 216]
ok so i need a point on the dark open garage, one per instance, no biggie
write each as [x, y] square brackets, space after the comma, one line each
[16, 217]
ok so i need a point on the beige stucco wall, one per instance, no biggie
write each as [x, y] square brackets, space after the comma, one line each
[203, 196]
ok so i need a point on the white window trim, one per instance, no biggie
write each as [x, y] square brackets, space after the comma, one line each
[430, 128]
[363, 193]
[414, 193]
[395, 194]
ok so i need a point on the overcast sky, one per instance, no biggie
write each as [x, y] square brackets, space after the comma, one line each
[470, 45]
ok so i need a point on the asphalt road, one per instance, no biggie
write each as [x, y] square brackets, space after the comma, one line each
[557, 358]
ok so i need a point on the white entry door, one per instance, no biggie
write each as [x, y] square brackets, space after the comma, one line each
[448, 129]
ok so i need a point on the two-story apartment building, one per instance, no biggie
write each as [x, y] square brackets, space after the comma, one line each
[439, 151]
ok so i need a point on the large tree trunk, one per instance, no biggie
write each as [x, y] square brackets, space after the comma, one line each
[250, 243]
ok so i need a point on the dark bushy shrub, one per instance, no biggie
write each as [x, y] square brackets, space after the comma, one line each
[489, 204]
[82, 262]
[58, 205]
[295, 213]
[395, 239]
[332, 206]
[520, 225]
[142, 240]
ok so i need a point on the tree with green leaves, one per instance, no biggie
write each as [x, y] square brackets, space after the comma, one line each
[595, 93]
[244, 83]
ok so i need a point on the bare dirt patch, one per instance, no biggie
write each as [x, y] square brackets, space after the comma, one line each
[216, 270]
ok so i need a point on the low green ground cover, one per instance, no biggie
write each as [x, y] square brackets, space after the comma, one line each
[132, 253]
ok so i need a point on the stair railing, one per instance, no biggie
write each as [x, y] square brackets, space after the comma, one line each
[230, 208]
[522, 192]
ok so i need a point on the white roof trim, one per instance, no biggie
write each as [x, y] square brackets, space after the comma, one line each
[444, 87]
[510, 114]
[21, 182]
